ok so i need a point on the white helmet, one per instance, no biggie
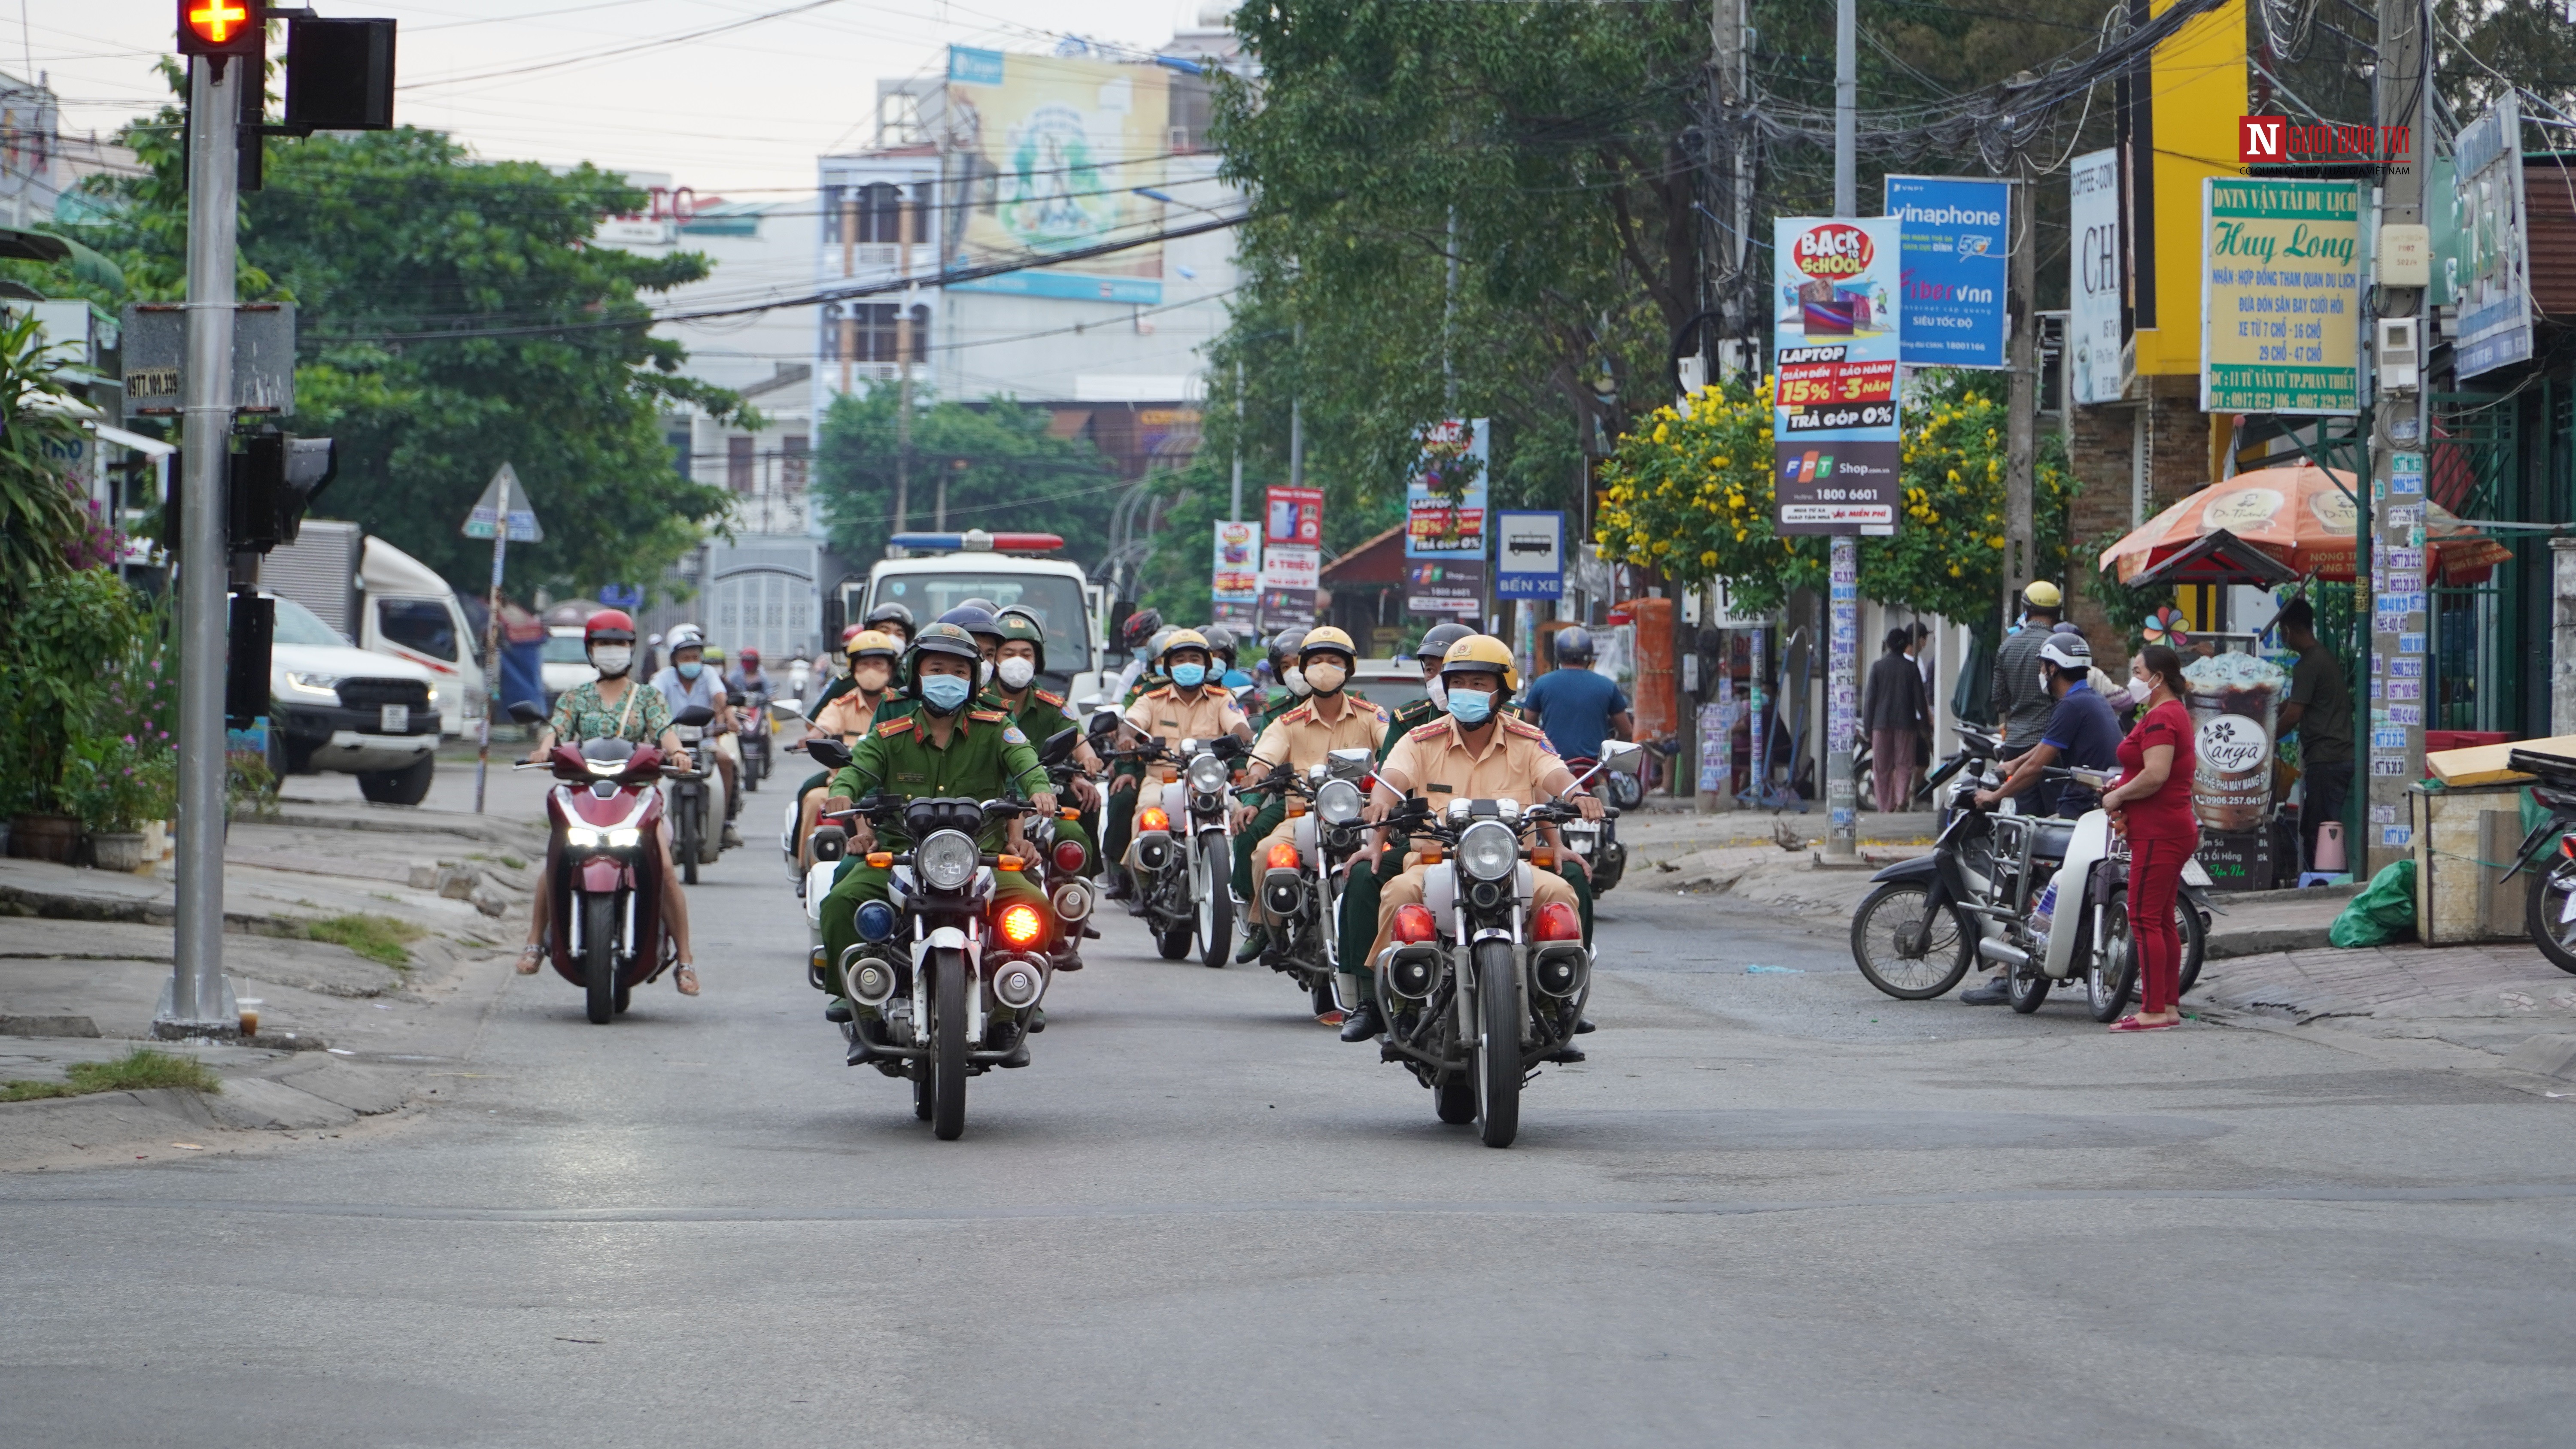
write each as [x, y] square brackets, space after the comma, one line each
[2066, 649]
[684, 637]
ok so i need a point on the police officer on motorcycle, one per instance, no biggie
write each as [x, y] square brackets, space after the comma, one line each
[1476, 752]
[1301, 737]
[1191, 706]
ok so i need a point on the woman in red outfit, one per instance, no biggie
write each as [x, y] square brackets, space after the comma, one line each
[2152, 806]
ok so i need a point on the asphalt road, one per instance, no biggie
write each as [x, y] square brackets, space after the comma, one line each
[1772, 1209]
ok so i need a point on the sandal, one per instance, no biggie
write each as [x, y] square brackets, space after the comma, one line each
[685, 977]
[531, 959]
[2134, 1023]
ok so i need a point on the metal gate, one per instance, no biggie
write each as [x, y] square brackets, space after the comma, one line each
[2474, 468]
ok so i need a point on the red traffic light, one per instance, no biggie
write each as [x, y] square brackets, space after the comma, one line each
[222, 27]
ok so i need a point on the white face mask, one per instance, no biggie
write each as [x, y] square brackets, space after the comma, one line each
[1017, 672]
[612, 660]
[1438, 689]
[1295, 679]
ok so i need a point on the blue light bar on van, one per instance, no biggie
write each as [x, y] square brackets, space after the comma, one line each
[976, 540]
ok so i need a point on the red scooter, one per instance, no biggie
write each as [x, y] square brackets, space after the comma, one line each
[604, 855]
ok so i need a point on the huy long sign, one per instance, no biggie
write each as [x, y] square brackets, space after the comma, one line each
[2280, 315]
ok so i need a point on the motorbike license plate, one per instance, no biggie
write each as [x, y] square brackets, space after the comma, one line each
[394, 719]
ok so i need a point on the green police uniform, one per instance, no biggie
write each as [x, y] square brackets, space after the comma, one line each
[986, 756]
[1421, 711]
[1041, 716]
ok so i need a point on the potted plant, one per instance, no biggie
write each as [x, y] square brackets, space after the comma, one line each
[114, 785]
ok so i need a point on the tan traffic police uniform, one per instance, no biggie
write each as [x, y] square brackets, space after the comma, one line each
[1167, 715]
[1432, 761]
[1301, 737]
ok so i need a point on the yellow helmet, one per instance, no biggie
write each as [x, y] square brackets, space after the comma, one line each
[1183, 639]
[1327, 637]
[871, 642]
[1482, 652]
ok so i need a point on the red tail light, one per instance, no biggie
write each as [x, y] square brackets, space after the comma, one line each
[1021, 924]
[1414, 925]
[1152, 817]
[1068, 856]
[1557, 921]
[1283, 856]
[2567, 846]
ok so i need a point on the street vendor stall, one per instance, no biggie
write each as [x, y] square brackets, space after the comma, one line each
[2265, 528]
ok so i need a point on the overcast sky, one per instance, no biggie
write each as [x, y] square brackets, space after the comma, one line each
[740, 114]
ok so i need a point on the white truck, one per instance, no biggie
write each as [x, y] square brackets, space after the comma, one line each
[935, 572]
[385, 602]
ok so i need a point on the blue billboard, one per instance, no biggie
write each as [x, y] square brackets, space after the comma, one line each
[1957, 239]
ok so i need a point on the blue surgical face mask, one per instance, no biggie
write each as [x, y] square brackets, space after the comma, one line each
[1189, 676]
[1471, 706]
[689, 670]
[944, 692]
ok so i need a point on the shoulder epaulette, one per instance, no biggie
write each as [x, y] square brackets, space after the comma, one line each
[1432, 727]
[1381, 712]
[1303, 709]
[1418, 710]
[895, 726]
[1054, 699]
[1523, 728]
[988, 716]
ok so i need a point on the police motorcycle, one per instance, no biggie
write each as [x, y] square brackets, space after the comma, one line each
[955, 981]
[1598, 841]
[1302, 880]
[1059, 859]
[1185, 849]
[1478, 989]
[2046, 898]
[608, 935]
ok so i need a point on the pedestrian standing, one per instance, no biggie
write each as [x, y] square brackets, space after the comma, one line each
[2019, 693]
[1893, 711]
[2152, 806]
[2320, 709]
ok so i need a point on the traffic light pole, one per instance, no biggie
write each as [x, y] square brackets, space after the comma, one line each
[199, 1003]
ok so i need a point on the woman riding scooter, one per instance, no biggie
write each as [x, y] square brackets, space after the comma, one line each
[613, 707]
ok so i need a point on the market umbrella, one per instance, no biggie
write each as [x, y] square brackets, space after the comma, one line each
[2301, 517]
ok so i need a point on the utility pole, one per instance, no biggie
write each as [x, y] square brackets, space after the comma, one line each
[1842, 578]
[1449, 321]
[2021, 542]
[903, 367]
[1234, 510]
[2401, 92]
[1297, 422]
[200, 999]
[1726, 22]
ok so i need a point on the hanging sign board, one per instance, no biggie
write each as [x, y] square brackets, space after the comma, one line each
[1956, 241]
[1529, 560]
[1836, 324]
[2093, 274]
[2492, 274]
[485, 519]
[1235, 570]
[2280, 296]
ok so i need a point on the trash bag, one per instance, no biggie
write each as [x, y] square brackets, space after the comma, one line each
[2383, 912]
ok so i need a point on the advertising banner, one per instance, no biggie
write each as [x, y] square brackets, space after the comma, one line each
[2280, 296]
[1047, 152]
[1837, 330]
[1289, 575]
[1445, 586]
[2493, 271]
[1234, 576]
[2093, 278]
[1956, 236]
[1444, 500]
[1294, 515]
[1529, 555]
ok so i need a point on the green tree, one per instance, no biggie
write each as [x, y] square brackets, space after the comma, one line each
[1003, 473]
[45, 531]
[386, 241]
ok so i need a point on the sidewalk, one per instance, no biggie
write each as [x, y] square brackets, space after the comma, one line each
[368, 934]
[2498, 997]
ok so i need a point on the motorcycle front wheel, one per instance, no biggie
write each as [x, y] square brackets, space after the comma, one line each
[1216, 911]
[2026, 986]
[1878, 934]
[686, 846]
[948, 1066]
[599, 957]
[1498, 1044]
[2111, 972]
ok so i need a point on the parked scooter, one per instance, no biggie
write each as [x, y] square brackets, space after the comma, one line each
[608, 935]
[2044, 897]
[2549, 903]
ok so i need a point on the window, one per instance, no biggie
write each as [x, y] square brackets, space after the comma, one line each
[1055, 599]
[877, 332]
[880, 217]
[297, 624]
[738, 461]
[422, 626]
[791, 465]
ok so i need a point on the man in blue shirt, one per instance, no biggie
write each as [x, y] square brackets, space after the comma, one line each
[1578, 708]
[2082, 734]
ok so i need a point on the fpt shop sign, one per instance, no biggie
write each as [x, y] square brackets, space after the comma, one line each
[1837, 329]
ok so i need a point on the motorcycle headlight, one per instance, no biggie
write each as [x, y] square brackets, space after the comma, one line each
[583, 837]
[1338, 801]
[1207, 774]
[1488, 851]
[946, 861]
[624, 837]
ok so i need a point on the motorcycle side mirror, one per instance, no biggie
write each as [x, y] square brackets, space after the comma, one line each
[1228, 747]
[527, 712]
[1622, 757]
[830, 754]
[696, 714]
[786, 708]
[1104, 721]
[1058, 747]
